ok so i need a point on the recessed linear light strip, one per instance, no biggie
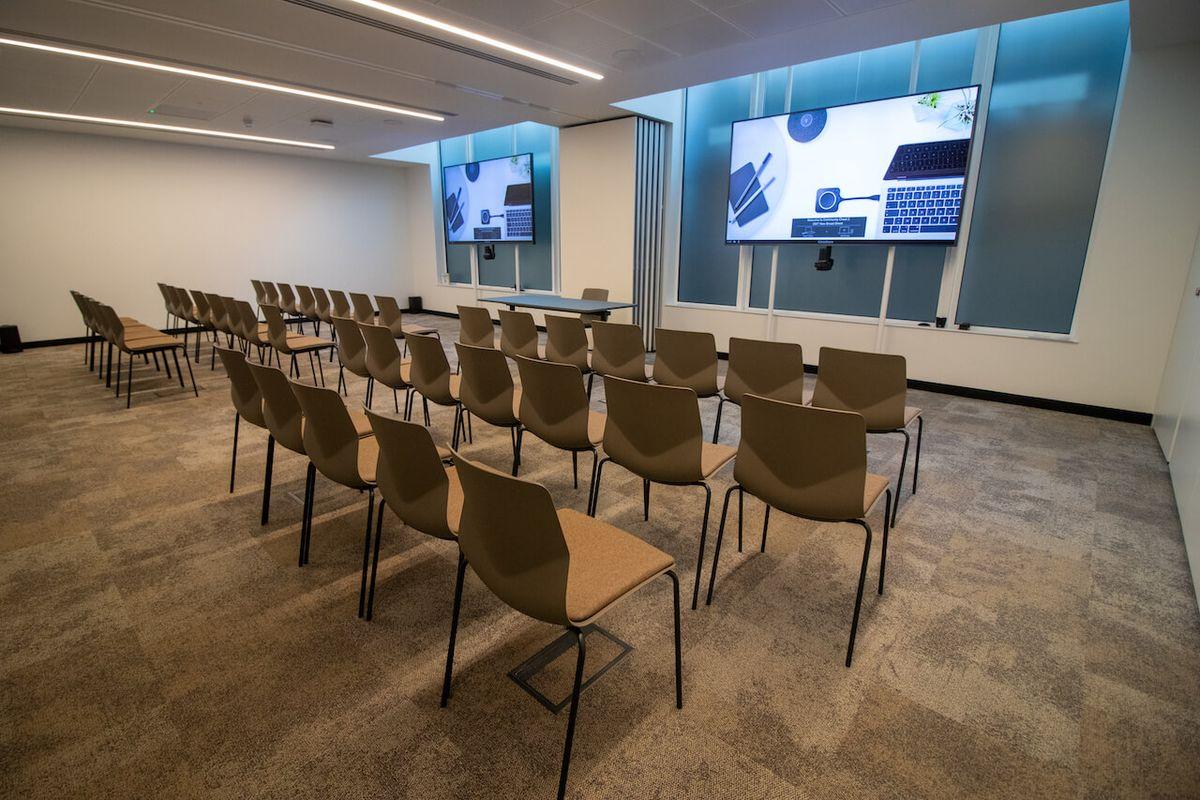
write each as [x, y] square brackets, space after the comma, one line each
[129, 123]
[216, 76]
[446, 27]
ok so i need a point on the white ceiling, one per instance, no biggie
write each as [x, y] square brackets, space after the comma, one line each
[641, 46]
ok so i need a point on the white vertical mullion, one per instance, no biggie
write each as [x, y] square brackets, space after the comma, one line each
[982, 73]
[771, 324]
[555, 238]
[512, 148]
[746, 252]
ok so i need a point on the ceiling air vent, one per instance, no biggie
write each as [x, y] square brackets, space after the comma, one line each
[334, 11]
[183, 112]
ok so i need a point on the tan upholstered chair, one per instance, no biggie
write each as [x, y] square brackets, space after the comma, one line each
[204, 314]
[567, 343]
[339, 304]
[810, 463]
[876, 386]
[518, 334]
[686, 358]
[260, 292]
[392, 317]
[362, 310]
[294, 344]
[290, 305]
[168, 303]
[352, 355]
[306, 301]
[221, 319]
[593, 294]
[486, 390]
[340, 454]
[553, 406]
[247, 405]
[767, 369]
[557, 566]
[618, 351]
[654, 432]
[384, 364]
[415, 482]
[429, 372]
[252, 332]
[324, 309]
[142, 341]
[104, 322]
[272, 293]
[475, 327]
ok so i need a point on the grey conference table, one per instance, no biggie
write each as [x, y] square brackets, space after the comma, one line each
[552, 302]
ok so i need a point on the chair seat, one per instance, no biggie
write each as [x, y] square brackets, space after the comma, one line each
[875, 486]
[302, 344]
[455, 386]
[362, 425]
[153, 343]
[596, 422]
[606, 563]
[421, 330]
[454, 500]
[715, 456]
[368, 457]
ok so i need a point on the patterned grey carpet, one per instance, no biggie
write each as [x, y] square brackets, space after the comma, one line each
[1039, 636]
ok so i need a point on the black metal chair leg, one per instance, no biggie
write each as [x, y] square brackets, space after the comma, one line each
[566, 762]
[128, 383]
[678, 643]
[518, 435]
[362, 589]
[312, 365]
[178, 371]
[703, 536]
[762, 548]
[712, 579]
[591, 375]
[425, 406]
[458, 587]
[862, 574]
[645, 500]
[375, 560]
[192, 376]
[887, 507]
[594, 502]
[741, 498]
[306, 513]
[575, 469]
[917, 460]
[237, 422]
[266, 504]
[717, 426]
[900, 477]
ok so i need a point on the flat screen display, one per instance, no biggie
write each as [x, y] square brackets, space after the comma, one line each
[489, 201]
[885, 171]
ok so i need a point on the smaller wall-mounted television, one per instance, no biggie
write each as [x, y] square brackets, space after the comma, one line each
[489, 201]
[884, 172]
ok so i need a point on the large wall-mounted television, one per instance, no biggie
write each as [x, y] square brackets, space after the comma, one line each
[882, 172]
[489, 201]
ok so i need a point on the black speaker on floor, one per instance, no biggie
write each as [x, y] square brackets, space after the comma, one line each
[10, 339]
[416, 305]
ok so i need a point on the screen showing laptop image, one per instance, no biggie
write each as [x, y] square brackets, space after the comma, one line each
[885, 171]
[489, 201]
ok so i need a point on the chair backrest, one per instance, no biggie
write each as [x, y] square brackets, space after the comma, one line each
[653, 431]
[249, 322]
[592, 294]
[272, 293]
[430, 370]
[330, 439]
[307, 301]
[475, 327]
[166, 296]
[554, 403]
[260, 292]
[566, 341]
[518, 334]
[276, 328]
[872, 384]
[220, 314]
[382, 355]
[352, 351]
[512, 538]
[619, 350]
[110, 324]
[281, 409]
[487, 388]
[243, 389]
[806, 461]
[767, 369]
[287, 298]
[324, 310]
[183, 303]
[411, 476]
[203, 311]
[363, 310]
[243, 328]
[339, 305]
[686, 358]
[390, 314]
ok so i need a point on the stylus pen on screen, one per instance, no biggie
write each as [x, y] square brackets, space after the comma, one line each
[753, 197]
[758, 172]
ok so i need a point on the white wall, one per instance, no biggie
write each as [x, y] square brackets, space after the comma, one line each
[111, 217]
[1146, 223]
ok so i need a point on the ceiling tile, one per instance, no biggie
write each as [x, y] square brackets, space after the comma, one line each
[859, 6]
[124, 92]
[513, 16]
[640, 16]
[697, 36]
[762, 18]
[209, 98]
[40, 80]
[573, 32]
[629, 55]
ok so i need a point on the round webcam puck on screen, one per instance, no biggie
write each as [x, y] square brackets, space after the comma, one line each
[473, 171]
[804, 126]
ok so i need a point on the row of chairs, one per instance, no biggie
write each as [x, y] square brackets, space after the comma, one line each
[106, 331]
